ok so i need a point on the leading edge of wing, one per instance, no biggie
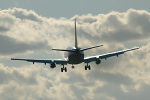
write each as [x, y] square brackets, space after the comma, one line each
[105, 56]
[57, 61]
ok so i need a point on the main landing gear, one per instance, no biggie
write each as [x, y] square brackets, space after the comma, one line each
[64, 69]
[87, 67]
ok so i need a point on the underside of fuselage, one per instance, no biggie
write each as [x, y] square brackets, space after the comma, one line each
[75, 57]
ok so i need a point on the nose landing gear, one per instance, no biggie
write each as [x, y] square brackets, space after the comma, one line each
[72, 66]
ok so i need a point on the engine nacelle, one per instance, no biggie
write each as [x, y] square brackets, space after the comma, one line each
[53, 65]
[98, 61]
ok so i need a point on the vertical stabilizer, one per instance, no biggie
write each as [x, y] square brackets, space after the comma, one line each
[76, 43]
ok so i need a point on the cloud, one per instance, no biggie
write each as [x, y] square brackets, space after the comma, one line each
[23, 14]
[117, 78]
[116, 26]
[29, 28]
[11, 46]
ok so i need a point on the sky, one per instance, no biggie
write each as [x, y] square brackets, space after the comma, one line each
[30, 29]
[70, 8]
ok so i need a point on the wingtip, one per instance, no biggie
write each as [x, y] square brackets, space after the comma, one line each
[100, 45]
[13, 59]
[137, 47]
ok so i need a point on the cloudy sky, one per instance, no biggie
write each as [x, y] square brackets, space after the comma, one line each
[30, 29]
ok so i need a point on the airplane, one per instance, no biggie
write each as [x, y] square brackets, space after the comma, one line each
[75, 55]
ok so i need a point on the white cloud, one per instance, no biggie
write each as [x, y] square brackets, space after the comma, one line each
[29, 28]
[114, 79]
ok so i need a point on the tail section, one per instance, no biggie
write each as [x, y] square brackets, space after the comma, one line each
[76, 42]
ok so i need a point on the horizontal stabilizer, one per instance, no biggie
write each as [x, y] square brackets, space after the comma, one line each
[18, 59]
[63, 50]
[91, 48]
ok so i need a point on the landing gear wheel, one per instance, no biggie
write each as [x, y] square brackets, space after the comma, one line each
[89, 67]
[85, 67]
[72, 67]
[61, 69]
[65, 69]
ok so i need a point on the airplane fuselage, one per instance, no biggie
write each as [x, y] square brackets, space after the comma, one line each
[76, 57]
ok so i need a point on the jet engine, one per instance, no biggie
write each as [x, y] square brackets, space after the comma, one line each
[52, 65]
[98, 61]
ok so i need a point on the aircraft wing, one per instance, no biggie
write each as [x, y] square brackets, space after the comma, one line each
[105, 56]
[58, 61]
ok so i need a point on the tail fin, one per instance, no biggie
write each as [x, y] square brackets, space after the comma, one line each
[76, 42]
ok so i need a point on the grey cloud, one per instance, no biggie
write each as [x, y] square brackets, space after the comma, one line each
[132, 25]
[78, 92]
[3, 29]
[85, 19]
[19, 78]
[24, 14]
[48, 84]
[114, 78]
[74, 78]
[116, 92]
[6, 22]
[24, 83]
[139, 19]
[16, 76]
[114, 26]
[135, 28]
[10, 46]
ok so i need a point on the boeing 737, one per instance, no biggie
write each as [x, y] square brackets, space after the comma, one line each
[75, 55]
